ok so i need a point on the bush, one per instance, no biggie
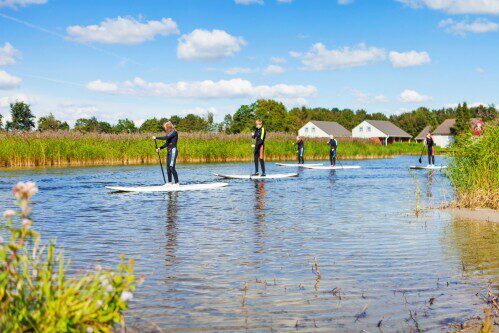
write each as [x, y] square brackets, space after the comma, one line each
[36, 295]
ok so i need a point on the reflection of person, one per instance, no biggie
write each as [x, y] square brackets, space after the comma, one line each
[171, 144]
[301, 149]
[333, 145]
[428, 142]
[171, 228]
[259, 136]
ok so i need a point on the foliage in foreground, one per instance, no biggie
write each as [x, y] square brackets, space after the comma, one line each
[474, 170]
[36, 295]
[73, 148]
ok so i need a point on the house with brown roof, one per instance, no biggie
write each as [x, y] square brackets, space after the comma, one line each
[444, 134]
[381, 131]
[323, 129]
[422, 135]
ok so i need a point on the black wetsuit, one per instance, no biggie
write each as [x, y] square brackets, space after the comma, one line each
[431, 150]
[259, 137]
[332, 152]
[301, 150]
[171, 157]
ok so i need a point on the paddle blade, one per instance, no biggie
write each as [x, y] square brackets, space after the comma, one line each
[420, 160]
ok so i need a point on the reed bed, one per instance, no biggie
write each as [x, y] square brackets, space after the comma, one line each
[70, 148]
[474, 170]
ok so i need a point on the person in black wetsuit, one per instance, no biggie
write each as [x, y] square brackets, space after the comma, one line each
[259, 136]
[301, 149]
[171, 144]
[333, 145]
[428, 142]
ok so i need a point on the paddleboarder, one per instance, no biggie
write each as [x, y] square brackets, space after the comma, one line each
[301, 149]
[171, 139]
[259, 136]
[333, 145]
[428, 142]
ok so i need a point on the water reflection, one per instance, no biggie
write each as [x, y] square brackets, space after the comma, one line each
[171, 228]
[260, 231]
[430, 179]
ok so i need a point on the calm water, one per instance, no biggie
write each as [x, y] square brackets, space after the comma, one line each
[198, 249]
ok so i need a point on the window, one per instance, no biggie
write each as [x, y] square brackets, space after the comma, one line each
[306, 129]
[361, 129]
[313, 129]
[369, 128]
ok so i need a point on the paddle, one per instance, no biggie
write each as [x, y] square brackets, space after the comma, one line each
[160, 162]
[421, 157]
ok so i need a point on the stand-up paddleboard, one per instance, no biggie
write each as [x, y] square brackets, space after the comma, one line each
[298, 165]
[428, 167]
[335, 167]
[270, 176]
[168, 188]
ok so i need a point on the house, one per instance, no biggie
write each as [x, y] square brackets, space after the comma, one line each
[381, 131]
[323, 129]
[422, 135]
[444, 134]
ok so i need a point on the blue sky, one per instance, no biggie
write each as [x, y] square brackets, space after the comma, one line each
[143, 59]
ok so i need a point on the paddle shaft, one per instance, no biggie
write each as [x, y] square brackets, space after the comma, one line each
[421, 157]
[160, 162]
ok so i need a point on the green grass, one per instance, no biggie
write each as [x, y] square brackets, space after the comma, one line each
[76, 149]
[474, 170]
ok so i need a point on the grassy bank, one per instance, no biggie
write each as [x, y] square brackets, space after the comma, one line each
[474, 170]
[76, 149]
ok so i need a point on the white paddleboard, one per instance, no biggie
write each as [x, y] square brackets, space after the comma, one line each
[433, 167]
[336, 167]
[298, 165]
[270, 176]
[168, 188]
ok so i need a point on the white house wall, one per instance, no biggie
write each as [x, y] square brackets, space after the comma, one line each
[313, 131]
[443, 141]
[374, 133]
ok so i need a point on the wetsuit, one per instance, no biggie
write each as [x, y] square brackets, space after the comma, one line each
[431, 150]
[332, 152]
[259, 137]
[301, 150]
[171, 156]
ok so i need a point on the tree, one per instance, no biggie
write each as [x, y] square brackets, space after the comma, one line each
[86, 125]
[125, 126]
[274, 116]
[22, 117]
[244, 119]
[463, 119]
[49, 123]
[151, 125]
[1, 122]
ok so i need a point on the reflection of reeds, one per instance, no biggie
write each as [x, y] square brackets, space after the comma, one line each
[417, 196]
[75, 148]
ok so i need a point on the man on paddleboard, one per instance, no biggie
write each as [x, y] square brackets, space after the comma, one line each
[171, 144]
[259, 136]
[301, 149]
[333, 145]
[428, 142]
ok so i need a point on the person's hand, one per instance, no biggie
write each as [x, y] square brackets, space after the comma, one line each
[154, 138]
[252, 133]
[252, 146]
[158, 150]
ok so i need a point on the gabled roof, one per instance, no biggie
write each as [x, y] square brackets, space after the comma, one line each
[332, 127]
[389, 128]
[447, 127]
[422, 134]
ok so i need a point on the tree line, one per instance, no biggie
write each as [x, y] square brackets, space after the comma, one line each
[276, 117]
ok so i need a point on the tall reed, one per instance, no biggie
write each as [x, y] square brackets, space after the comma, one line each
[76, 149]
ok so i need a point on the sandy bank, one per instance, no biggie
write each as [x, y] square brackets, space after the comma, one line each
[480, 214]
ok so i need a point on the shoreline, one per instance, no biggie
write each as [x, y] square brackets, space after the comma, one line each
[478, 214]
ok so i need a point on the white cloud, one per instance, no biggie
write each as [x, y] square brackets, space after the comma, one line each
[8, 81]
[278, 60]
[235, 88]
[285, 1]
[479, 26]
[238, 70]
[6, 100]
[345, 2]
[122, 30]
[8, 55]
[409, 59]
[200, 111]
[74, 111]
[321, 59]
[412, 96]
[273, 69]
[479, 70]
[208, 45]
[20, 3]
[457, 6]
[249, 2]
[368, 98]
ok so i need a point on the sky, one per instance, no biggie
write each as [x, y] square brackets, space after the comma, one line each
[140, 59]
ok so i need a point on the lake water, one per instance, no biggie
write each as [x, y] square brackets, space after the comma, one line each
[197, 250]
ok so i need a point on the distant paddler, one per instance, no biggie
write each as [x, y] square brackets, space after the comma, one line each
[259, 136]
[171, 139]
[430, 144]
[301, 149]
[333, 146]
